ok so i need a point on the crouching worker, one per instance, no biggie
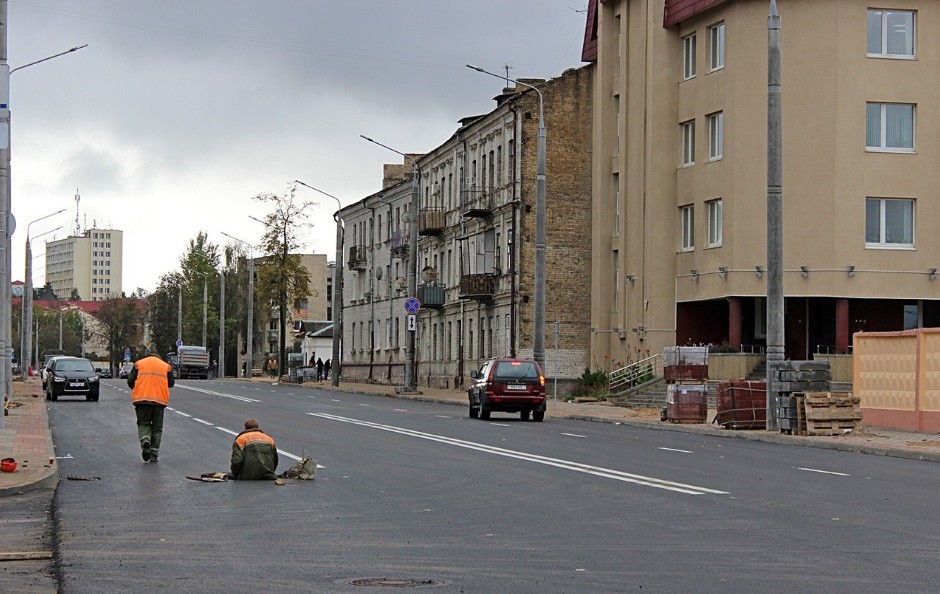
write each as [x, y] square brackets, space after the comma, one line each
[254, 455]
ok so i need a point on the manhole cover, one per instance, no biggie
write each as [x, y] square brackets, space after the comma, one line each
[381, 582]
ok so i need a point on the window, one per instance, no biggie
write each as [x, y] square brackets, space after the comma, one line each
[716, 46]
[889, 127]
[688, 228]
[714, 222]
[688, 57]
[617, 203]
[716, 135]
[688, 142]
[890, 33]
[889, 222]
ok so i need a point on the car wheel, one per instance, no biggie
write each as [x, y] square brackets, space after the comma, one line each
[524, 415]
[53, 397]
[95, 397]
[474, 412]
[48, 395]
[484, 412]
[538, 415]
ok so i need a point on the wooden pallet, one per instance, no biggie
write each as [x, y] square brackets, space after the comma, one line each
[831, 415]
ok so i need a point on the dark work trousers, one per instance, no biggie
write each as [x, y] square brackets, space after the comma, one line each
[150, 425]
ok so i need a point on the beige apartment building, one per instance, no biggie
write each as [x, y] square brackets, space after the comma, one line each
[680, 171]
[312, 307]
[90, 263]
[476, 245]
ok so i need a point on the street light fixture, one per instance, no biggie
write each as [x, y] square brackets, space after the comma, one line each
[538, 338]
[336, 367]
[26, 309]
[409, 386]
[251, 301]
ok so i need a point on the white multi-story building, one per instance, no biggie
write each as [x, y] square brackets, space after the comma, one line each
[90, 264]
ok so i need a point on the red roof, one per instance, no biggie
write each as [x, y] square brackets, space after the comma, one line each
[677, 11]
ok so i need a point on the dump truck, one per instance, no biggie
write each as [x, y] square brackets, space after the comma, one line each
[192, 362]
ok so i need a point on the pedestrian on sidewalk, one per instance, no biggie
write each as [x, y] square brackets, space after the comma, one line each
[254, 454]
[150, 381]
[326, 369]
[319, 370]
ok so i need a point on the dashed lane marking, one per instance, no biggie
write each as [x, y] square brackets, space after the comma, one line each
[823, 471]
[675, 450]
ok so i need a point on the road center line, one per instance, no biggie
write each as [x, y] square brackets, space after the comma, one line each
[823, 471]
[574, 435]
[558, 463]
[675, 450]
[198, 420]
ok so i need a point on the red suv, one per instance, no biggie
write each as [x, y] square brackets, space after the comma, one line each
[508, 385]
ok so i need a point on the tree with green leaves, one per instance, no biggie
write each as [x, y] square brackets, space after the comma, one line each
[122, 326]
[282, 277]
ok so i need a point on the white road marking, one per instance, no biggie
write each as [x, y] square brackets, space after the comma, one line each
[675, 450]
[574, 435]
[222, 394]
[363, 404]
[198, 420]
[442, 416]
[558, 463]
[501, 424]
[823, 471]
[179, 412]
[400, 410]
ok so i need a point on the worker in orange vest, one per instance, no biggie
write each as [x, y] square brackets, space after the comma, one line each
[150, 382]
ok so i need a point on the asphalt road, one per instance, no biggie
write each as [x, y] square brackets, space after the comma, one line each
[420, 493]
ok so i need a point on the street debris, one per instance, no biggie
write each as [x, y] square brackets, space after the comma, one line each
[75, 477]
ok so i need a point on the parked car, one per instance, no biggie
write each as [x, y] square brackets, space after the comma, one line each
[71, 376]
[45, 369]
[126, 370]
[508, 385]
[103, 372]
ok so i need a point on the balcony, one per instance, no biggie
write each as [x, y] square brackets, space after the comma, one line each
[398, 244]
[431, 295]
[357, 257]
[476, 203]
[431, 221]
[479, 287]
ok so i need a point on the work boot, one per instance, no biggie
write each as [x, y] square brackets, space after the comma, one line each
[145, 450]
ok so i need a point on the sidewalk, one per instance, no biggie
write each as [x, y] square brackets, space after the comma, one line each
[26, 437]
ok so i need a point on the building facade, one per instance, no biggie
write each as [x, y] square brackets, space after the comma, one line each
[680, 171]
[476, 246]
[91, 264]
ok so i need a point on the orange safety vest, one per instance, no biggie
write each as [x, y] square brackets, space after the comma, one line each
[253, 436]
[151, 383]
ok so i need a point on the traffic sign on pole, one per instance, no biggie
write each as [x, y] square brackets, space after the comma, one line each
[412, 305]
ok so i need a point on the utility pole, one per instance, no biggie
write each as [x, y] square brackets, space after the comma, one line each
[220, 368]
[775, 299]
[5, 363]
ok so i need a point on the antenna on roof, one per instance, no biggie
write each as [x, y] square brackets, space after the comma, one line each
[507, 68]
[78, 198]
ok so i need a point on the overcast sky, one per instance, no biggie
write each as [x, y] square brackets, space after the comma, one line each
[179, 111]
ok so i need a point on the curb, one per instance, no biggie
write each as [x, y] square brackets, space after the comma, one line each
[47, 477]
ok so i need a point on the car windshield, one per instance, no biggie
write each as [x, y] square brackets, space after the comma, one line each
[507, 370]
[74, 365]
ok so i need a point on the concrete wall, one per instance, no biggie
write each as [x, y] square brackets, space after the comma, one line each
[897, 377]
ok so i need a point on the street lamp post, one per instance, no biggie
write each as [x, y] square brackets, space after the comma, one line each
[538, 337]
[26, 309]
[336, 366]
[412, 263]
[6, 220]
[251, 302]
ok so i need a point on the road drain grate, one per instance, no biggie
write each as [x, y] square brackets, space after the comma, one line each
[381, 582]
